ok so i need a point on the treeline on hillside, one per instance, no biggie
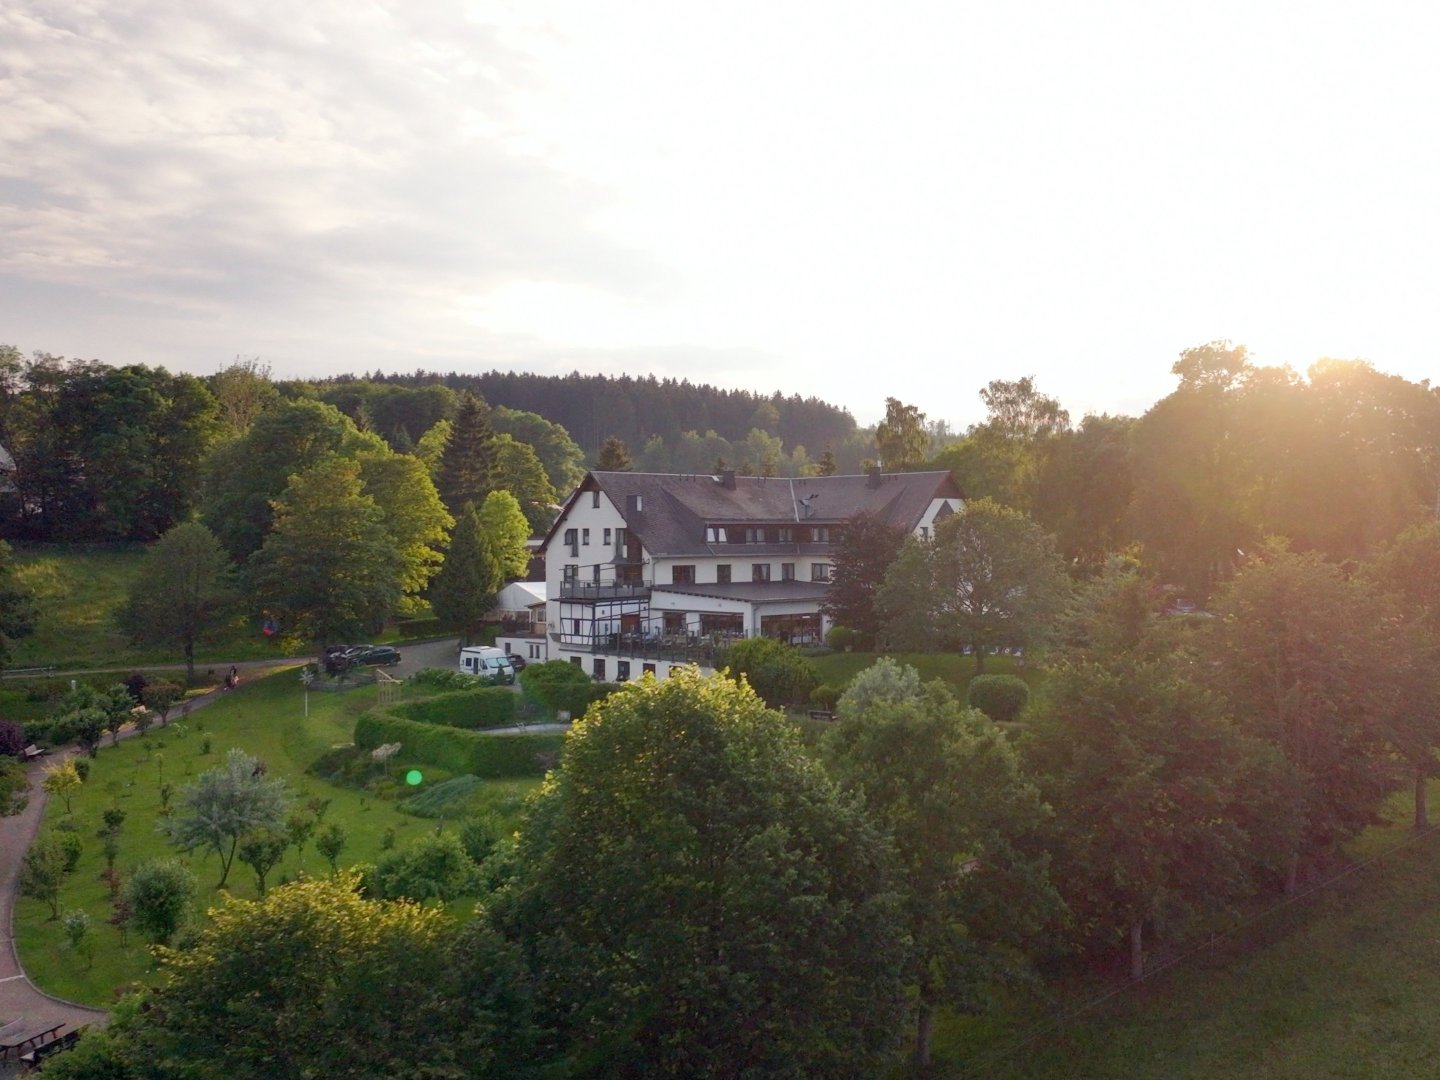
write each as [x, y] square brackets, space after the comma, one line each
[634, 409]
[1338, 461]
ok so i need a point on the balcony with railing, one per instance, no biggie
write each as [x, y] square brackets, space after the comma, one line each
[593, 591]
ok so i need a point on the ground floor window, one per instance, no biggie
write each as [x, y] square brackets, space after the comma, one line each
[792, 629]
[647, 669]
[622, 670]
[722, 623]
[599, 668]
[534, 650]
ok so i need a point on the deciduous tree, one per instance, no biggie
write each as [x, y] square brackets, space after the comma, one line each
[412, 513]
[901, 437]
[862, 551]
[330, 569]
[313, 980]
[967, 827]
[697, 900]
[1300, 652]
[183, 592]
[998, 580]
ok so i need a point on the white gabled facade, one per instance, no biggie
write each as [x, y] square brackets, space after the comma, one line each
[645, 572]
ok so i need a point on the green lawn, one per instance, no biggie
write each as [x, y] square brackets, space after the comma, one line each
[264, 718]
[1343, 984]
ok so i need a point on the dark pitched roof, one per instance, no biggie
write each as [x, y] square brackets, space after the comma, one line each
[676, 507]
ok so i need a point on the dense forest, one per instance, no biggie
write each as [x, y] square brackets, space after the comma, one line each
[635, 410]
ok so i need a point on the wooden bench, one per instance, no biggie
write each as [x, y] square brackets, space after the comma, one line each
[35, 1059]
[19, 1036]
[821, 714]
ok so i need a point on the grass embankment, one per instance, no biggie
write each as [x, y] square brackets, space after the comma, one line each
[80, 590]
[1342, 983]
[264, 718]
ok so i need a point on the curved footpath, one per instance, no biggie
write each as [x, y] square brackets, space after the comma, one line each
[19, 997]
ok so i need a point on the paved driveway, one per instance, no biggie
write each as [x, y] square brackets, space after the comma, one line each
[422, 654]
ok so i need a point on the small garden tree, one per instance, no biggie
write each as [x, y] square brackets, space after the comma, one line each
[158, 895]
[262, 850]
[330, 842]
[63, 780]
[223, 805]
[42, 871]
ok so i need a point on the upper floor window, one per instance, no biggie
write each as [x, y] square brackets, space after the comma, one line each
[820, 571]
[924, 532]
[722, 573]
[713, 534]
[570, 572]
[787, 571]
[787, 536]
[760, 571]
[572, 542]
[820, 534]
[585, 537]
[595, 499]
[682, 575]
[607, 538]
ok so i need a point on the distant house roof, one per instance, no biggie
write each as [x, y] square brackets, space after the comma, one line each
[674, 509]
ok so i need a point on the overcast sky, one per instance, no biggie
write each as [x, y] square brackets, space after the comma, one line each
[849, 200]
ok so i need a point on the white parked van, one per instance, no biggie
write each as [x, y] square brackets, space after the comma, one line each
[487, 661]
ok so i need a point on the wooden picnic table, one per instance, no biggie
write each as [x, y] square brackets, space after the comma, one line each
[25, 1034]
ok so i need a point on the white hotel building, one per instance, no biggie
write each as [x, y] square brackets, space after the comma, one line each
[648, 570]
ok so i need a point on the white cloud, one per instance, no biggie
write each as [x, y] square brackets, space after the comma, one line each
[840, 199]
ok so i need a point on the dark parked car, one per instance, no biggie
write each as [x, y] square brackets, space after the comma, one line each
[373, 654]
[516, 662]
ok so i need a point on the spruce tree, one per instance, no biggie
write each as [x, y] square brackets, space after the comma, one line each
[614, 456]
[465, 588]
[469, 457]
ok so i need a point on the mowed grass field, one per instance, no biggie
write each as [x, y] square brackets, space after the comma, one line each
[265, 718]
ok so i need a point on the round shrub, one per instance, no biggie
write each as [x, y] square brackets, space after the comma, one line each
[825, 696]
[841, 638]
[1000, 697]
[775, 671]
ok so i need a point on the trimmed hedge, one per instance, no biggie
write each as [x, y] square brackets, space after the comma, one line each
[557, 685]
[1000, 697]
[490, 757]
[488, 707]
